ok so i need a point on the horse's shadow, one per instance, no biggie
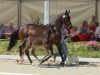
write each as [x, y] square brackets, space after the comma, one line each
[80, 64]
[57, 65]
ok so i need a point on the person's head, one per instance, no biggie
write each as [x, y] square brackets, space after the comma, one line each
[1, 25]
[96, 24]
[93, 18]
[11, 25]
[85, 23]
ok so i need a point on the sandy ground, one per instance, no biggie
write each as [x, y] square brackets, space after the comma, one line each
[48, 68]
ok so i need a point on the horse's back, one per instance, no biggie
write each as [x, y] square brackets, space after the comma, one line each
[31, 29]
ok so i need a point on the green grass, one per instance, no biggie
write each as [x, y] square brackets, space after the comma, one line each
[3, 48]
[79, 52]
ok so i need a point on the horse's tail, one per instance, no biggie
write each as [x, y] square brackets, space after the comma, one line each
[13, 40]
[21, 47]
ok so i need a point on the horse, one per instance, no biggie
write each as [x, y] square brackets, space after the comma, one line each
[43, 39]
[28, 30]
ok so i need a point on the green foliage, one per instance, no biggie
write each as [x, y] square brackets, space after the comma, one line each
[3, 48]
[84, 49]
[76, 49]
[38, 19]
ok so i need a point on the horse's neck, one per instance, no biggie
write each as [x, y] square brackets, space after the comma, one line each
[58, 23]
[58, 26]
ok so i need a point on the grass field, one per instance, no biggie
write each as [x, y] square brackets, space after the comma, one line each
[76, 49]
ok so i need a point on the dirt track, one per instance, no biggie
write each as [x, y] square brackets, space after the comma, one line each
[11, 66]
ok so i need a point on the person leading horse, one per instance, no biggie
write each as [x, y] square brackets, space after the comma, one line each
[26, 30]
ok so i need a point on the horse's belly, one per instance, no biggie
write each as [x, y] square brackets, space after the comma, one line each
[39, 42]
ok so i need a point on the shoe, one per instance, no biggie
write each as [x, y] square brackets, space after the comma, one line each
[62, 64]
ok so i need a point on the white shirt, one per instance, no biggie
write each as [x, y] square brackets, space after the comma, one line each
[63, 34]
[97, 32]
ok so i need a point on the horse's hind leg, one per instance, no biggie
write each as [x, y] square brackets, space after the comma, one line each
[33, 53]
[26, 49]
[21, 51]
[23, 44]
[21, 54]
[27, 53]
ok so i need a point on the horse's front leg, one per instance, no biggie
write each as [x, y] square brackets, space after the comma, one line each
[33, 53]
[49, 51]
[61, 54]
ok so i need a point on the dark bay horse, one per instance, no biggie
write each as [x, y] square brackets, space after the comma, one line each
[43, 39]
[29, 29]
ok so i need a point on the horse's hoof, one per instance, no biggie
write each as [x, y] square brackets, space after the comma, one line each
[32, 64]
[39, 60]
[54, 61]
[41, 63]
[19, 62]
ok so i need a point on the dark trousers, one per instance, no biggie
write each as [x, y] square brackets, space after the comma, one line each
[64, 51]
[98, 39]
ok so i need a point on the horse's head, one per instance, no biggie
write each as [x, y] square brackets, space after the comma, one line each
[62, 19]
[65, 19]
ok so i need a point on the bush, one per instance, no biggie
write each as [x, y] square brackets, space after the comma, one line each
[38, 19]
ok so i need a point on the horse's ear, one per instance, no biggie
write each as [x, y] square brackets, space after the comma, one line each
[68, 11]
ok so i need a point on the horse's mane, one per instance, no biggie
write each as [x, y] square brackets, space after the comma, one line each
[56, 18]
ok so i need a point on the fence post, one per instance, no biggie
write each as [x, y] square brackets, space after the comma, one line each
[46, 12]
[19, 13]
